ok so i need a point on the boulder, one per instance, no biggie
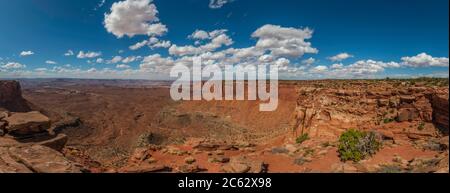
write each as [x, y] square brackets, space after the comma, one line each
[27, 123]
[56, 143]
[42, 159]
[189, 168]
[218, 159]
[386, 134]
[243, 164]
[235, 167]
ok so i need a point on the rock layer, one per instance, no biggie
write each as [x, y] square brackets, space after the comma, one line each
[11, 97]
[440, 113]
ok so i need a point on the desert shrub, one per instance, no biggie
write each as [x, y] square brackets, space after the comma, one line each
[357, 145]
[302, 138]
[149, 138]
[421, 126]
[388, 120]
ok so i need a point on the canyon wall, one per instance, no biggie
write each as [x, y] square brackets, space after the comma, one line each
[327, 112]
[11, 97]
[440, 112]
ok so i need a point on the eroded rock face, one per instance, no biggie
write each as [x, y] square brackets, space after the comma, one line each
[327, 112]
[40, 153]
[57, 143]
[440, 113]
[27, 123]
[11, 97]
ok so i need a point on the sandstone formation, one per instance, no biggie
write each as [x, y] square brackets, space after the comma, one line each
[327, 112]
[11, 97]
[440, 113]
[27, 123]
[26, 146]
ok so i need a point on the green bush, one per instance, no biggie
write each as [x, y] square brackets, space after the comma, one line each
[302, 138]
[357, 145]
[388, 120]
[421, 126]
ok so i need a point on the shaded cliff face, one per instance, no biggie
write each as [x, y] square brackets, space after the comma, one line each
[11, 97]
[440, 112]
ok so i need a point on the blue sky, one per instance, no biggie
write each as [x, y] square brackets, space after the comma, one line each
[349, 38]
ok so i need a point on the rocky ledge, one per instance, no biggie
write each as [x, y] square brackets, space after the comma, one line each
[26, 143]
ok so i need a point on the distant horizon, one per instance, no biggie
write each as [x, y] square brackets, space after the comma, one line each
[331, 79]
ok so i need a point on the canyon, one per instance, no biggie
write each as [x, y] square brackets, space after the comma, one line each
[133, 126]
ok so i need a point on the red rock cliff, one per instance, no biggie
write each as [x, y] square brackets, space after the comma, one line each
[11, 97]
[440, 111]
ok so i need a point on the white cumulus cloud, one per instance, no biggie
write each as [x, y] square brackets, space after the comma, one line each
[282, 41]
[88, 54]
[424, 60]
[138, 45]
[115, 59]
[134, 17]
[216, 38]
[26, 53]
[69, 53]
[216, 4]
[309, 61]
[340, 57]
[13, 65]
[50, 62]
[123, 66]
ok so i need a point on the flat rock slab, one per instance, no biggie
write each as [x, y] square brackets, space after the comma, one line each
[9, 165]
[42, 159]
[27, 123]
[145, 169]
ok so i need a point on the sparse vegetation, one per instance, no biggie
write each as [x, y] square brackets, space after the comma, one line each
[389, 169]
[302, 138]
[421, 126]
[148, 138]
[429, 81]
[308, 152]
[357, 145]
[388, 120]
[327, 144]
